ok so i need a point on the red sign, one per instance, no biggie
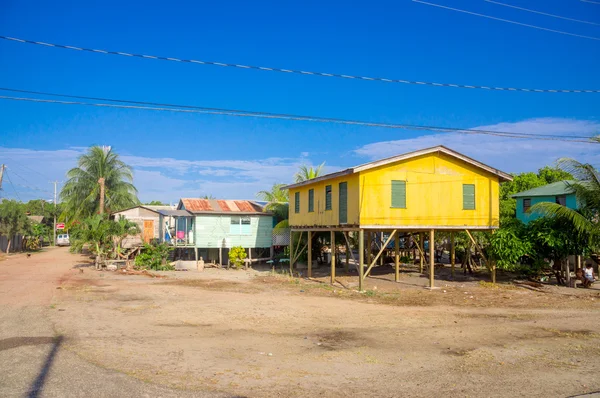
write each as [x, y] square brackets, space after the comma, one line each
[60, 226]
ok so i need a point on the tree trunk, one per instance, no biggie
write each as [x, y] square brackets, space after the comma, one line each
[8, 246]
[101, 182]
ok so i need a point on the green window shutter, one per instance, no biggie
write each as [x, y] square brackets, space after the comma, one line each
[297, 202]
[328, 197]
[468, 196]
[399, 194]
[311, 200]
[343, 203]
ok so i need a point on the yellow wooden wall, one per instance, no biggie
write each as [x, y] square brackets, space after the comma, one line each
[322, 217]
[434, 194]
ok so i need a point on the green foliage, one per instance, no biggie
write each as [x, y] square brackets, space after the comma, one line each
[277, 201]
[154, 257]
[554, 239]
[81, 193]
[13, 220]
[507, 245]
[102, 235]
[156, 203]
[237, 255]
[308, 173]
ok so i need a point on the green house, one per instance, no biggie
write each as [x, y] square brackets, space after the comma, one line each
[211, 227]
[559, 192]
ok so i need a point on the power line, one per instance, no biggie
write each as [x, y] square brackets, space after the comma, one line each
[323, 74]
[26, 167]
[27, 186]
[283, 115]
[225, 112]
[13, 187]
[507, 20]
[542, 13]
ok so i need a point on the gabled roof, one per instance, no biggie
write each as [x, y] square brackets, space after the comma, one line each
[502, 176]
[135, 207]
[36, 219]
[557, 188]
[220, 206]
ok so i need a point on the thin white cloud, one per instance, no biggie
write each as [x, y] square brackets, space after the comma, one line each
[508, 154]
[165, 179]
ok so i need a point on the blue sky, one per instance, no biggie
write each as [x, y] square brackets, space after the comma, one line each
[177, 155]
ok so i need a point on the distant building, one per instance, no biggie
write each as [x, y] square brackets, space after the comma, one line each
[559, 192]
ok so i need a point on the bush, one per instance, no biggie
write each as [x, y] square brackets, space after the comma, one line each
[237, 255]
[154, 257]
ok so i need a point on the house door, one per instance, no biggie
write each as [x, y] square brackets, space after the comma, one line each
[148, 230]
[343, 203]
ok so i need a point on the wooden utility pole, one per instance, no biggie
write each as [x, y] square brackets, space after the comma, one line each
[54, 226]
[1, 175]
[452, 254]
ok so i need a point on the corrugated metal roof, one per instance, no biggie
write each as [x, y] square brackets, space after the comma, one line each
[220, 206]
[557, 188]
[37, 219]
[196, 205]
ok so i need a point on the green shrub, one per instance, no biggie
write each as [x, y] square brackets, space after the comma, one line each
[237, 255]
[154, 258]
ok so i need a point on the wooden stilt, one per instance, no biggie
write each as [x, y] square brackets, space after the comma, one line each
[422, 251]
[348, 248]
[361, 259]
[369, 243]
[397, 256]
[381, 257]
[452, 254]
[309, 270]
[291, 251]
[332, 257]
[431, 257]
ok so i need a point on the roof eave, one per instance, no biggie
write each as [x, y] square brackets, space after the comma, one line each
[319, 179]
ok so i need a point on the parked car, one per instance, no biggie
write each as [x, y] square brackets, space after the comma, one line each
[63, 240]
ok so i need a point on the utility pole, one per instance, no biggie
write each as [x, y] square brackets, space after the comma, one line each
[54, 226]
[1, 175]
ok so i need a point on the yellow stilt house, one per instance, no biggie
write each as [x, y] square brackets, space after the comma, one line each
[417, 193]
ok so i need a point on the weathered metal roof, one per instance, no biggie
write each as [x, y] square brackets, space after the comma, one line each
[36, 219]
[557, 188]
[220, 206]
[502, 176]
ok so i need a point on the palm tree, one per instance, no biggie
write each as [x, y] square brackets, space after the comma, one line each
[308, 173]
[277, 203]
[587, 190]
[100, 182]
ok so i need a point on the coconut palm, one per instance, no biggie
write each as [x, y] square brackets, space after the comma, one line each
[277, 203]
[100, 182]
[308, 173]
[585, 220]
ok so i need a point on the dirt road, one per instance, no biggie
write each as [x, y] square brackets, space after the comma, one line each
[34, 357]
[267, 336]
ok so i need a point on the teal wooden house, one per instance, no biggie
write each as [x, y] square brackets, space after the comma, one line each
[559, 192]
[208, 228]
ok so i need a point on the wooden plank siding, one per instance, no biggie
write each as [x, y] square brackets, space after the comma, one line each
[434, 194]
[420, 192]
[211, 229]
[321, 215]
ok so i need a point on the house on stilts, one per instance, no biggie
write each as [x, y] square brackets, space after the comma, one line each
[417, 193]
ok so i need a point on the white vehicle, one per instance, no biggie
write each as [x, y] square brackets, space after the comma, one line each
[63, 240]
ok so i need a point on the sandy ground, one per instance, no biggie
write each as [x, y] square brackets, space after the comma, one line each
[35, 359]
[259, 334]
